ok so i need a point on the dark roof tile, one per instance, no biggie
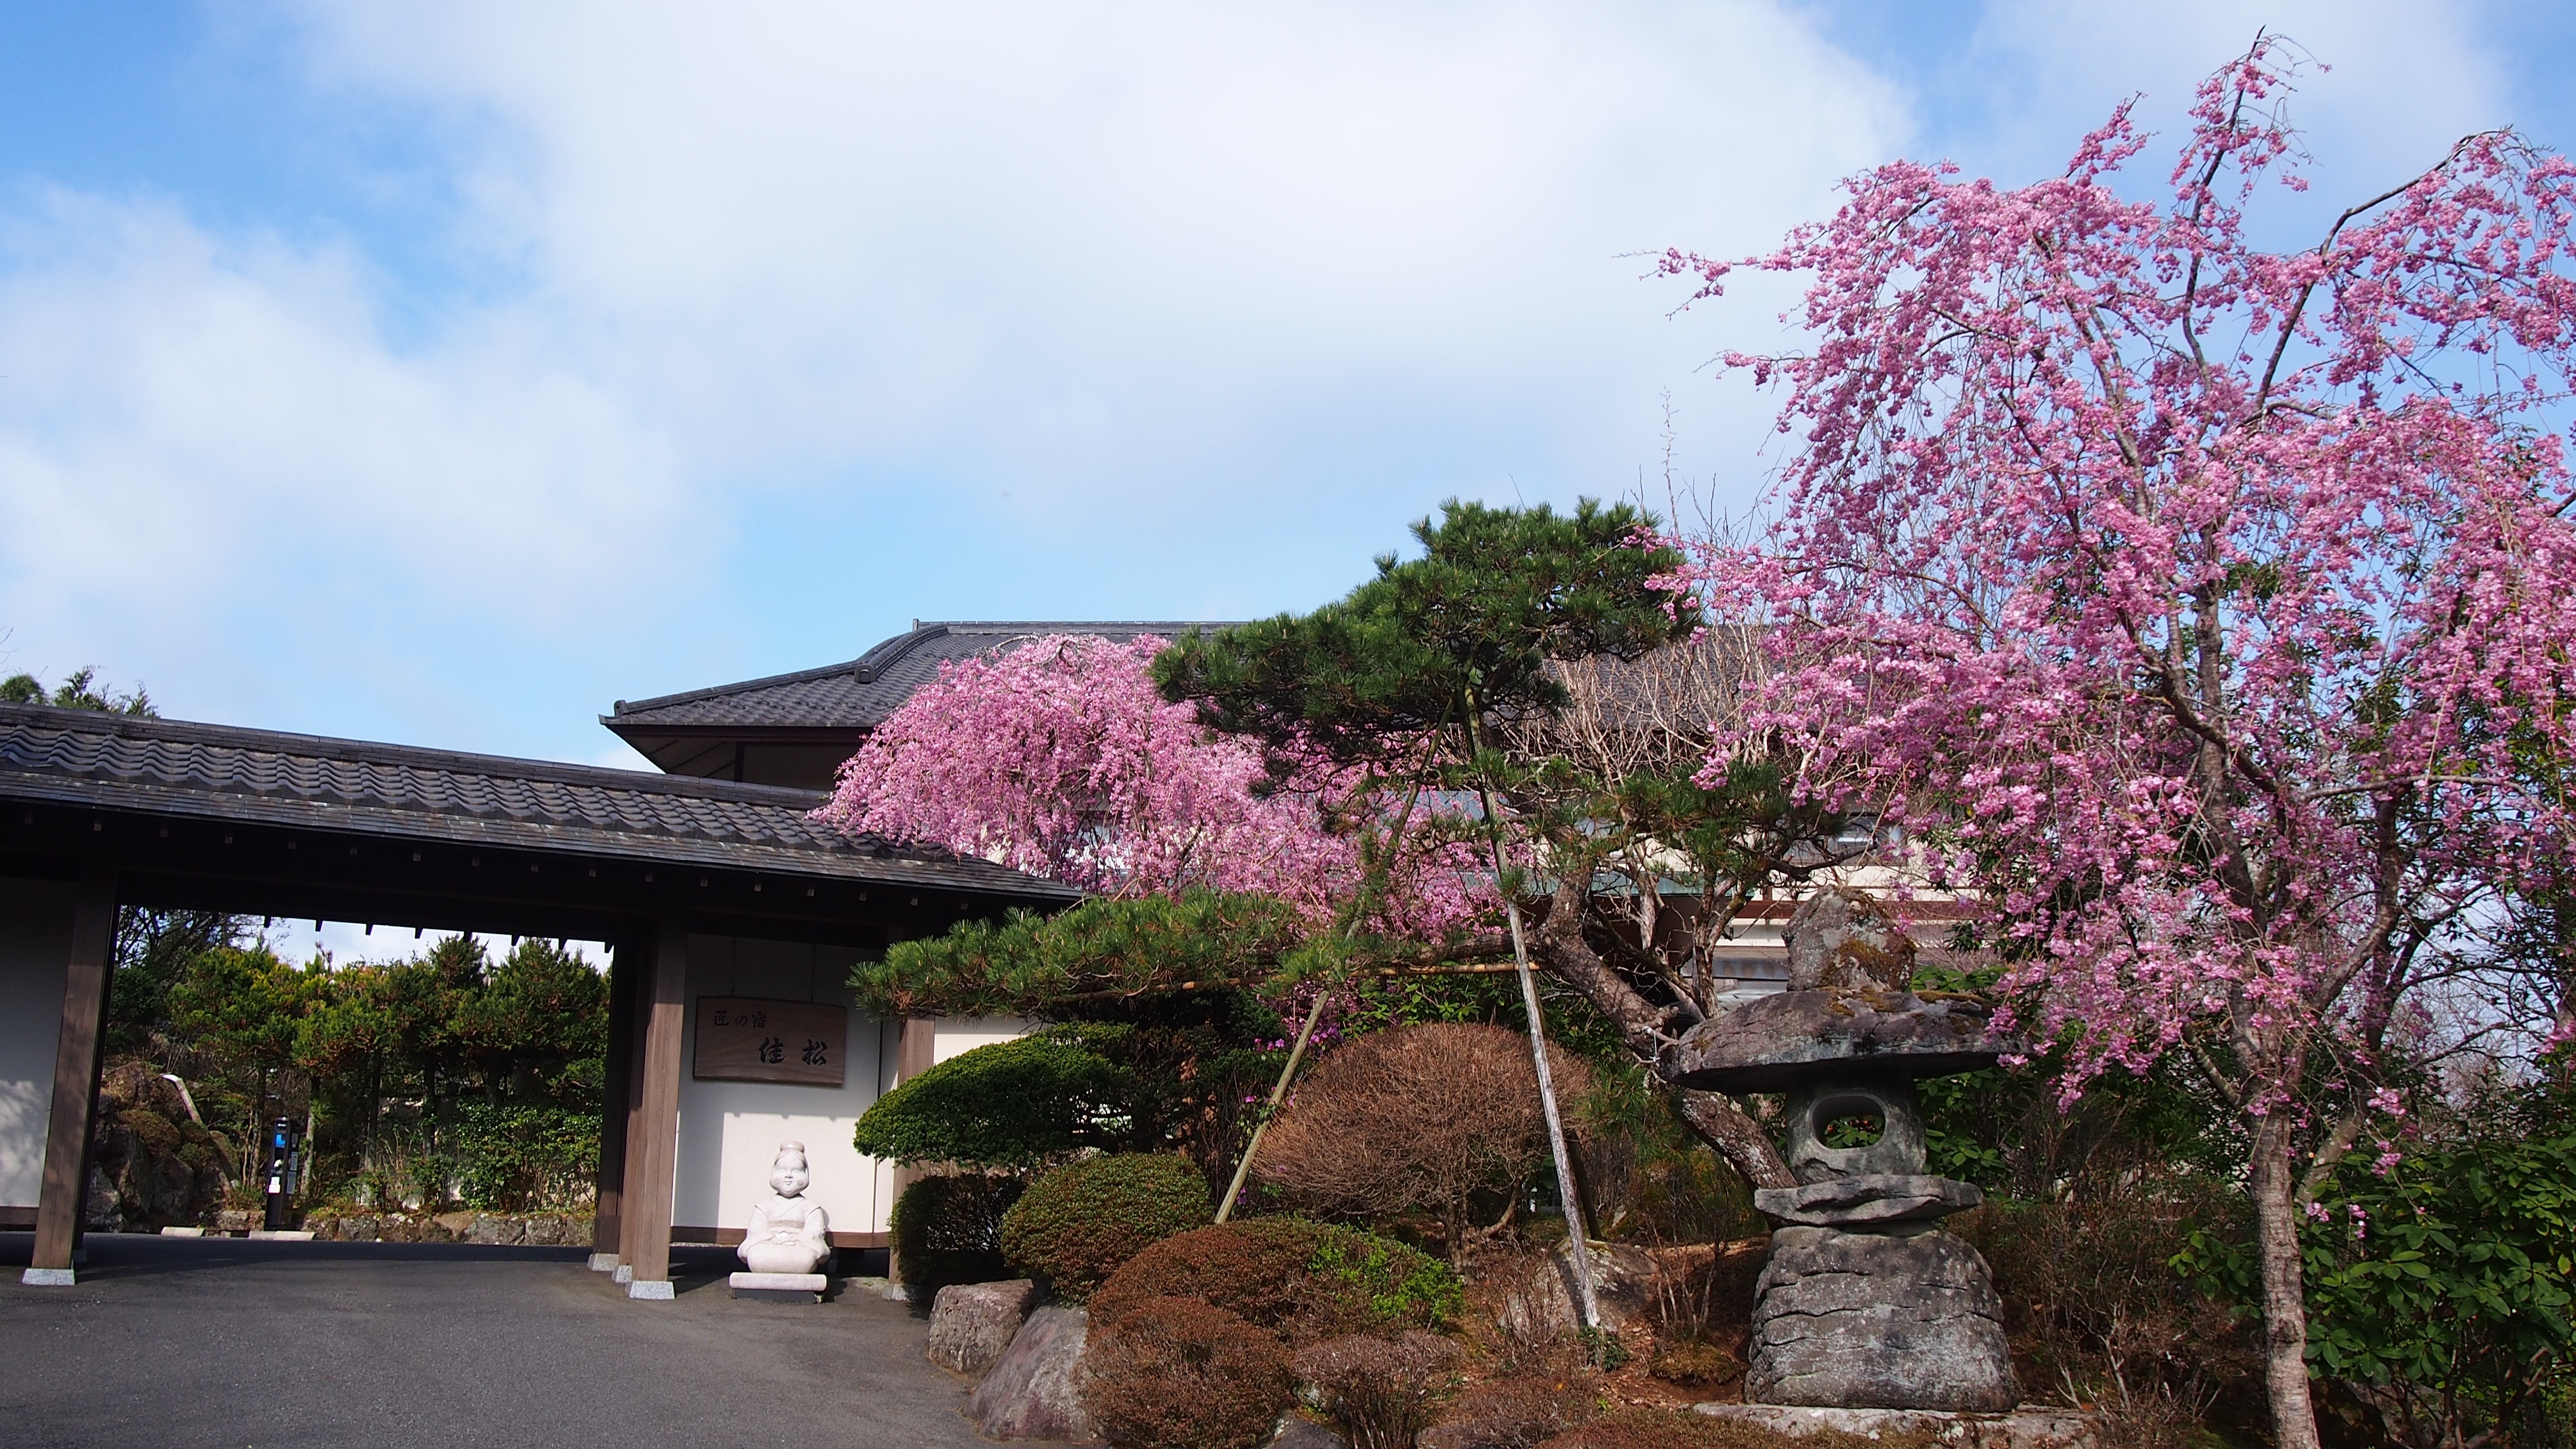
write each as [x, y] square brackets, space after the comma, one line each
[859, 694]
[108, 761]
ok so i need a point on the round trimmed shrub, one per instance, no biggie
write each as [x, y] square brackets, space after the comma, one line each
[948, 1229]
[1180, 1373]
[1083, 1221]
[1309, 1280]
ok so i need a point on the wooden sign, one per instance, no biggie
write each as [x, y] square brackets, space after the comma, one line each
[743, 1039]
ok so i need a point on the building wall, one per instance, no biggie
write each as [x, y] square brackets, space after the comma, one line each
[35, 952]
[967, 1033]
[730, 1131]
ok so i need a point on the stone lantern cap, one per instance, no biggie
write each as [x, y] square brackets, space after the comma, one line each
[1799, 1037]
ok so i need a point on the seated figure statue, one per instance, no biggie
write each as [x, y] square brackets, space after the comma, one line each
[789, 1232]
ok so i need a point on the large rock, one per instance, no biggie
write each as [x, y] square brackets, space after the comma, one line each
[1034, 1389]
[972, 1324]
[1537, 1297]
[1878, 1321]
[1294, 1432]
[1794, 1037]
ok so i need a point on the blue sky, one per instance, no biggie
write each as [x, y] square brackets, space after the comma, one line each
[443, 373]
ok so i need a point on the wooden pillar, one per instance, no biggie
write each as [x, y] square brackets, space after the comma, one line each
[916, 1050]
[639, 1021]
[76, 1053]
[652, 1144]
[626, 966]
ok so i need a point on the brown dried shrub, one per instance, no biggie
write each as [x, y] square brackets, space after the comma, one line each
[1310, 1280]
[1418, 1119]
[1179, 1373]
[1701, 1301]
[1516, 1413]
[1379, 1390]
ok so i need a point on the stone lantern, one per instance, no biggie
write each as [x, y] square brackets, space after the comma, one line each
[1865, 1303]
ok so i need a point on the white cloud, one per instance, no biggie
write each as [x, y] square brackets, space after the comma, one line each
[2402, 79]
[1149, 268]
[195, 434]
[1092, 246]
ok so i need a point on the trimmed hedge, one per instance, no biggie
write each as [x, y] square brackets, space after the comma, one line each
[1012, 1104]
[1309, 1280]
[1082, 1222]
[948, 1230]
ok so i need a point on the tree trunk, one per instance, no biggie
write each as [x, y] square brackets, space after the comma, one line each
[1737, 1137]
[2285, 1305]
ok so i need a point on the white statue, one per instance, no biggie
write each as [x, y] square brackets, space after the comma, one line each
[789, 1232]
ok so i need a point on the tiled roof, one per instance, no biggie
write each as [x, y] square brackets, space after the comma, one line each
[260, 777]
[859, 694]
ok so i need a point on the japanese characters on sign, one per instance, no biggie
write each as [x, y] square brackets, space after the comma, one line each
[744, 1039]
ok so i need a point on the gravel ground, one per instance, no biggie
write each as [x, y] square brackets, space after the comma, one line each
[221, 1342]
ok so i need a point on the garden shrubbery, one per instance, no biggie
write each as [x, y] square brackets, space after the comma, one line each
[1082, 1222]
[1433, 1119]
[1379, 1389]
[1183, 1373]
[1309, 1280]
[948, 1229]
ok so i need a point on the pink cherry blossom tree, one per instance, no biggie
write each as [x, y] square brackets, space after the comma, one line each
[1059, 758]
[2208, 609]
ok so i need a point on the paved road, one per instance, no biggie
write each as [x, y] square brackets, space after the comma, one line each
[221, 1342]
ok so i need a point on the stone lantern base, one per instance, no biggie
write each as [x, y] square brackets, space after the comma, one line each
[1897, 1318]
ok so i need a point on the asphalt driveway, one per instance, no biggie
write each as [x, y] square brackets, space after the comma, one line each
[223, 1342]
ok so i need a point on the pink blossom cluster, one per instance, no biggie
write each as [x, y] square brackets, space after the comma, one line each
[1059, 758]
[2211, 607]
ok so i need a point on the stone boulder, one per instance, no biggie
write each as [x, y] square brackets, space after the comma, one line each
[1536, 1298]
[1878, 1321]
[1296, 1432]
[972, 1324]
[1034, 1391]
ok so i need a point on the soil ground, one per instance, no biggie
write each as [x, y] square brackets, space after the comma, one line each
[268, 1345]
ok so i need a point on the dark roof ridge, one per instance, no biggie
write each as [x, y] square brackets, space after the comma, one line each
[331, 747]
[878, 659]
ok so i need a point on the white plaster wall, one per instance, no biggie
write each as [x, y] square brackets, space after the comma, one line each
[730, 1131]
[963, 1034]
[35, 951]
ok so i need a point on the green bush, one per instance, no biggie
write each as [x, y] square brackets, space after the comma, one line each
[1012, 1104]
[525, 1158]
[1082, 1222]
[1309, 1280]
[948, 1229]
[2438, 1290]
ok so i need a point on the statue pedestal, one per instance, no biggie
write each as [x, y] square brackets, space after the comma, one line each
[2021, 1429]
[780, 1287]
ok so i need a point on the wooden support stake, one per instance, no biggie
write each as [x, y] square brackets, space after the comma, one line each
[652, 1145]
[76, 1064]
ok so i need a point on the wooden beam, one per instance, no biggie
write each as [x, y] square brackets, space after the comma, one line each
[652, 1144]
[627, 965]
[76, 1053]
